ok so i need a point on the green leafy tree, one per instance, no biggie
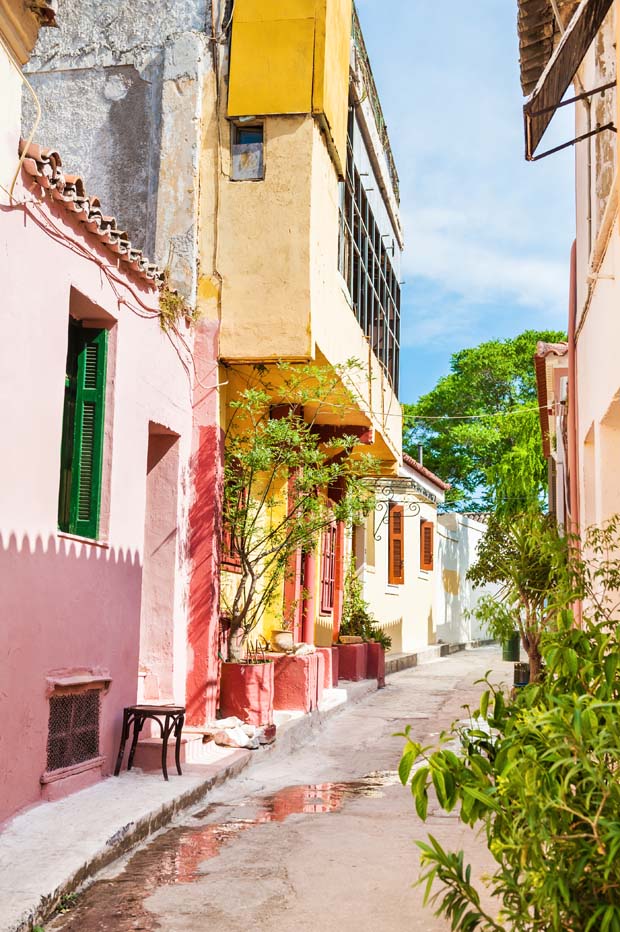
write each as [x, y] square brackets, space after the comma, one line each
[526, 558]
[478, 456]
[278, 469]
[538, 774]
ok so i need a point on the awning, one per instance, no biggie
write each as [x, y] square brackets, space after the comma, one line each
[561, 69]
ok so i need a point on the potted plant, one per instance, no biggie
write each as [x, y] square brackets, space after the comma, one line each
[359, 627]
[278, 468]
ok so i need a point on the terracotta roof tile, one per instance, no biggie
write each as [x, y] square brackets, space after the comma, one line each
[423, 471]
[44, 10]
[44, 167]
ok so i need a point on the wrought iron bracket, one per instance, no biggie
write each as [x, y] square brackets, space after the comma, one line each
[401, 489]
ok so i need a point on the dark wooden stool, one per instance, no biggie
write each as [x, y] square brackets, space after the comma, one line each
[170, 719]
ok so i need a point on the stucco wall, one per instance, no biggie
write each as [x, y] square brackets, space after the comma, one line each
[458, 539]
[70, 605]
[407, 611]
[120, 87]
[264, 248]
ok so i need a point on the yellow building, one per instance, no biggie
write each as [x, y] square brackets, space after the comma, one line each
[304, 254]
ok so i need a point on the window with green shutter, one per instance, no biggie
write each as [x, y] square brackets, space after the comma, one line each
[82, 431]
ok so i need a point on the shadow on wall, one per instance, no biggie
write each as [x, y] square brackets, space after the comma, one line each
[67, 609]
[455, 558]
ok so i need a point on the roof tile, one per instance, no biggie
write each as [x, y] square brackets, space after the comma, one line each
[44, 167]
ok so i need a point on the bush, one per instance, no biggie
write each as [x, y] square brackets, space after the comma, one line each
[539, 773]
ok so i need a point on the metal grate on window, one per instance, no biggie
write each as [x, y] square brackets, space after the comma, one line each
[73, 734]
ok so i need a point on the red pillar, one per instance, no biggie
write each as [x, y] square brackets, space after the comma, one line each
[309, 602]
[292, 594]
[204, 534]
[338, 579]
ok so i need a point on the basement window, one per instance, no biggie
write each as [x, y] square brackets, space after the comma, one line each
[73, 732]
[248, 160]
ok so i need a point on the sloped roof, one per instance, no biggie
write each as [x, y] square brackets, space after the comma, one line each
[423, 471]
[44, 167]
[539, 34]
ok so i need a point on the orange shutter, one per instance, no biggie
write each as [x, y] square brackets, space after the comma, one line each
[396, 546]
[427, 529]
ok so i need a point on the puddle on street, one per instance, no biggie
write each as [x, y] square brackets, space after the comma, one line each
[175, 856]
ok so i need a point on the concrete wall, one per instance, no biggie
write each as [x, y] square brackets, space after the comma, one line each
[458, 539]
[72, 607]
[121, 92]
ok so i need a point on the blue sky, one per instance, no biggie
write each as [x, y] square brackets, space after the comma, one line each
[487, 235]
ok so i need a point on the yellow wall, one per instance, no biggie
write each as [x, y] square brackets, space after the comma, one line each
[293, 60]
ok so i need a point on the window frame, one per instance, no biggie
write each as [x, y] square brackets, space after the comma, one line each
[427, 530]
[396, 536]
[328, 568]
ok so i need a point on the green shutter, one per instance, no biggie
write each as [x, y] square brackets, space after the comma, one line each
[68, 424]
[83, 427]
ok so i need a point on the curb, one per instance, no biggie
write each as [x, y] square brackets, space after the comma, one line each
[428, 654]
[291, 734]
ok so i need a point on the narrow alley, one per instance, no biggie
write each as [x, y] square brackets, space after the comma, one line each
[337, 824]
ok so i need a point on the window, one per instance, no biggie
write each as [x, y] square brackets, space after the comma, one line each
[82, 431]
[73, 731]
[328, 568]
[427, 529]
[248, 161]
[365, 264]
[396, 545]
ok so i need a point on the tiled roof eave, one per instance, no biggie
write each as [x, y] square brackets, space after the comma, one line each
[43, 167]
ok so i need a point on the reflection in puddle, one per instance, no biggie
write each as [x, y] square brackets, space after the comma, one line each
[116, 905]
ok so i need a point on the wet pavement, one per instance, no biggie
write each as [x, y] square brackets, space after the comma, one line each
[320, 840]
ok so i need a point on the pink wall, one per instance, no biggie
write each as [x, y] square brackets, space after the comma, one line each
[73, 606]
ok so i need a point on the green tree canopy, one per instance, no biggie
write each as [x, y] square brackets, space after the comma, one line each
[492, 463]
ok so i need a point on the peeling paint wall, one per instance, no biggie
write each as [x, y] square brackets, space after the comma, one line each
[120, 87]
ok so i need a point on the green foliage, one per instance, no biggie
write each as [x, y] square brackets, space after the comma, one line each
[538, 773]
[495, 462]
[356, 617]
[277, 473]
[527, 559]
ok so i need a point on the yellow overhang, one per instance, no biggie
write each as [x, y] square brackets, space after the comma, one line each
[560, 71]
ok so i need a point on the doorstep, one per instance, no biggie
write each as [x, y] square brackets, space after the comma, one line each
[50, 849]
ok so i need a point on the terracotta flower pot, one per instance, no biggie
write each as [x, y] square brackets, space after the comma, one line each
[246, 691]
[282, 640]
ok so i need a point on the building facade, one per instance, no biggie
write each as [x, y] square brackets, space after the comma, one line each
[396, 554]
[251, 145]
[572, 46]
[96, 396]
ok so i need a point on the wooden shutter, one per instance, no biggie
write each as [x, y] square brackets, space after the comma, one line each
[396, 545]
[328, 566]
[427, 529]
[87, 456]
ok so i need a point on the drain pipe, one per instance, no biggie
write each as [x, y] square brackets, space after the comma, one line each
[573, 415]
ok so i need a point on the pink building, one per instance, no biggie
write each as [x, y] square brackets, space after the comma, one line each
[100, 575]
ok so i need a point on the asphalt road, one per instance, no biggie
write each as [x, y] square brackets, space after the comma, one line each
[321, 840]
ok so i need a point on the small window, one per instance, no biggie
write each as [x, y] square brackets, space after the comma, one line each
[81, 454]
[328, 568]
[73, 733]
[248, 161]
[427, 530]
[396, 545]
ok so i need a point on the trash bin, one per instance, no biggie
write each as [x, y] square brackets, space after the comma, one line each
[521, 674]
[510, 648]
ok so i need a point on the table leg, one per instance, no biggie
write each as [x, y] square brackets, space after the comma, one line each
[164, 746]
[177, 751]
[138, 722]
[121, 750]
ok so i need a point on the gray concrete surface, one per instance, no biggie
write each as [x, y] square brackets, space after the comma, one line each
[48, 850]
[320, 839]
